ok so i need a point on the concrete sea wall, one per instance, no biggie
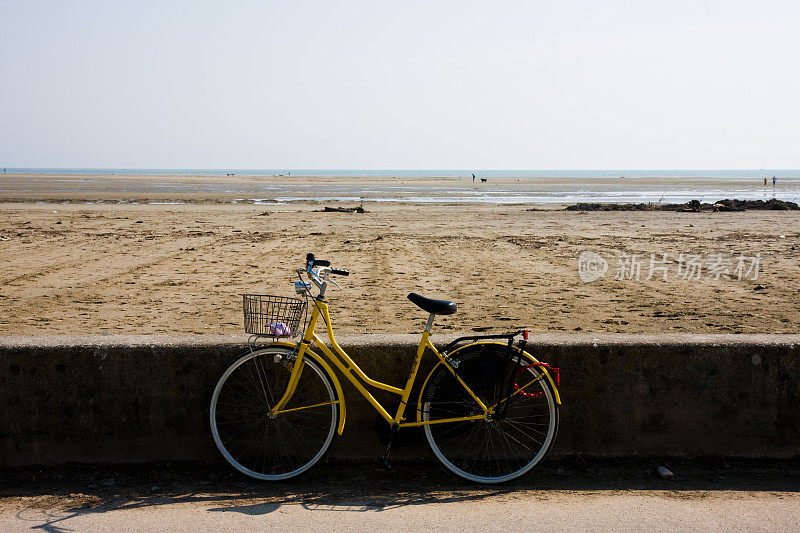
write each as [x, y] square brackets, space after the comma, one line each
[145, 398]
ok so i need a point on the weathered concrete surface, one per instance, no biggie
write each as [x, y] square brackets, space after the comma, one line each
[572, 511]
[577, 495]
[145, 398]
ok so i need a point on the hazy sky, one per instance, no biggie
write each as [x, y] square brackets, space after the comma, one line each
[407, 85]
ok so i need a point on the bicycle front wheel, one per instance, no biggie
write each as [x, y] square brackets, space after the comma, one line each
[509, 442]
[262, 445]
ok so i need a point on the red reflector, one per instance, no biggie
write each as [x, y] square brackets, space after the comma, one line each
[525, 334]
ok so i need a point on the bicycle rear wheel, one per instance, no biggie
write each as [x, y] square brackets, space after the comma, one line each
[280, 446]
[507, 444]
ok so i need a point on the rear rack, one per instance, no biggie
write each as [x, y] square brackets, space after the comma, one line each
[472, 338]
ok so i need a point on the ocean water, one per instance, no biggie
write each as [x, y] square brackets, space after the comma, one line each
[418, 173]
[502, 187]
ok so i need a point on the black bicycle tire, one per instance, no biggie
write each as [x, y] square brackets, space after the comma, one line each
[471, 352]
[320, 371]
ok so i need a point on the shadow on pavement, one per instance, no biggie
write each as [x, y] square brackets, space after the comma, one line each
[47, 497]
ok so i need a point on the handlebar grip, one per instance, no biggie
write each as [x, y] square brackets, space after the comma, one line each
[312, 262]
[340, 272]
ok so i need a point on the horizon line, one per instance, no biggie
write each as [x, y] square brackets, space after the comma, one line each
[328, 169]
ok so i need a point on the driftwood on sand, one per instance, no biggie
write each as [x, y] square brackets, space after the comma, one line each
[358, 209]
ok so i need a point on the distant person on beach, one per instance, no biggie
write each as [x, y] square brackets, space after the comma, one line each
[473, 178]
[773, 181]
[765, 181]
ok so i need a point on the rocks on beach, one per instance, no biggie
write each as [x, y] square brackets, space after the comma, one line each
[694, 206]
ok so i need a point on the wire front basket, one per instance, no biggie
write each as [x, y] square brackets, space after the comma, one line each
[272, 316]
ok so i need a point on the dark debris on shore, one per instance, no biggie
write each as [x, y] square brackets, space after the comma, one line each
[695, 206]
[358, 209]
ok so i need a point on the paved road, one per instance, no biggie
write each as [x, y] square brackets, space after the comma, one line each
[523, 511]
[565, 497]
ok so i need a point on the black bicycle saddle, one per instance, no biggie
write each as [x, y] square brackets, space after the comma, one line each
[437, 307]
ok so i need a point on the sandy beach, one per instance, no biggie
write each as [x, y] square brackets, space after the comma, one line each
[109, 268]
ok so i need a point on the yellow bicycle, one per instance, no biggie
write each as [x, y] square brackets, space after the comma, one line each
[488, 408]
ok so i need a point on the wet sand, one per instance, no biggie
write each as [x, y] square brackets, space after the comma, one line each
[76, 268]
[57, 188]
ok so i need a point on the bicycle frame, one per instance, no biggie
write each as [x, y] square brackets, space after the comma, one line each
[359, 379]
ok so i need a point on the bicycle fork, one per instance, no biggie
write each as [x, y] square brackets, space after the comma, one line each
[294, 378]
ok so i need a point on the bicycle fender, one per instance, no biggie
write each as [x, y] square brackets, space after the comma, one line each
[324, 364]
[556, 395]
[528, 356]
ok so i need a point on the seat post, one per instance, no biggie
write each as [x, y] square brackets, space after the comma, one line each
[430, 323]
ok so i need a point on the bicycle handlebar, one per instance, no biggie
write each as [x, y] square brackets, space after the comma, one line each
[323, 270]
[312, 263]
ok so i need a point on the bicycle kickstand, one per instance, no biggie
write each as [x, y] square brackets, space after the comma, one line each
[385, 458]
